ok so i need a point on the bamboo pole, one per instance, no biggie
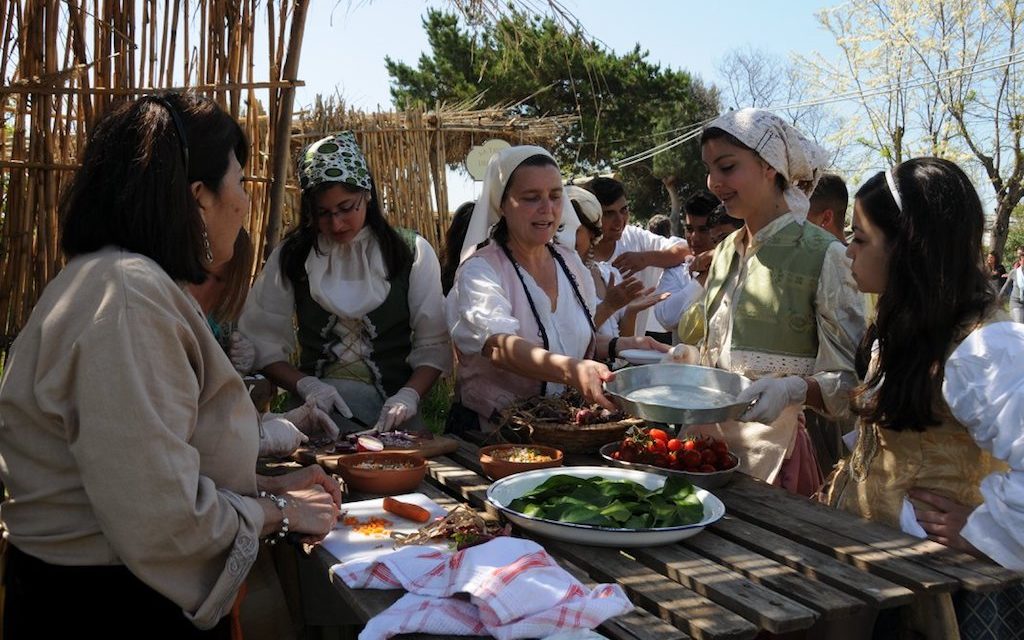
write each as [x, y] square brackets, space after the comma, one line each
[281, 151]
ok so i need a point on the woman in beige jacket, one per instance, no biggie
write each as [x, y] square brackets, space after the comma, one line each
[127, 440]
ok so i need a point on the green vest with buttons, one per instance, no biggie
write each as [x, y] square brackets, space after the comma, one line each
[774, 308]
[387, 327]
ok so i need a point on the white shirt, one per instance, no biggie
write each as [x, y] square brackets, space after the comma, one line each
[685, 290]
[348, 280]
[610, 276]
[637, 239]
[478, 308]
[984, 387]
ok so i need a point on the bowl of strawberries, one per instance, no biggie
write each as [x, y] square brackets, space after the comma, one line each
[704, 461]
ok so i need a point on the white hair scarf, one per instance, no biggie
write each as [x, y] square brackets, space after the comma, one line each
[588, 203]
[799, 159]
[487, 210]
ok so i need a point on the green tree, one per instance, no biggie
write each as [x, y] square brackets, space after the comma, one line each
[622, 101]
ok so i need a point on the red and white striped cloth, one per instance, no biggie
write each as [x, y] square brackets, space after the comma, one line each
[516, 590]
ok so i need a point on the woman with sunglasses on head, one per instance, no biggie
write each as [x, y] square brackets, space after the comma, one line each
[128, 442]
[941, 405]
[371, 330]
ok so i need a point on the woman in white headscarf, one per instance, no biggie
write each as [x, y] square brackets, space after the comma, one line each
[371, 332]
[521, 312]
[780, 305]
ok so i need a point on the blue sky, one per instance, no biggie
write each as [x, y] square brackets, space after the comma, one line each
[345, 42]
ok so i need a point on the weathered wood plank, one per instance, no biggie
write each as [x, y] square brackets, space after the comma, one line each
[687, 610]
[824, 569]
[767, 609]
[771, 515]
[974, 574]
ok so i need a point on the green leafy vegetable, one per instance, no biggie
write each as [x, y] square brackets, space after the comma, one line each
[612, 503]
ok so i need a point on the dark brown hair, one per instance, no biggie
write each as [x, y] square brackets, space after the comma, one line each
[132, 190]
[937, 288]
[453, 239]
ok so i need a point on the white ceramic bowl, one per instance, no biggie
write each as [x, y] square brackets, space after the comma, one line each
[504, 491]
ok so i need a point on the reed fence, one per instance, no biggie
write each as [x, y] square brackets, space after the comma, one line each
[66, 62]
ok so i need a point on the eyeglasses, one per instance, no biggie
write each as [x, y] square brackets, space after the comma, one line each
[342, 210]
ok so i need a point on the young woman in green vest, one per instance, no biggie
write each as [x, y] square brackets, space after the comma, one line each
[371, 333]
[780, 306]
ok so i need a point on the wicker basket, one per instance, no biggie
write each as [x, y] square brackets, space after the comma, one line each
[580, 438]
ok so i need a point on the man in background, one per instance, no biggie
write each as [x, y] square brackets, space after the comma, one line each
[632, 250]
[661, 225]
[828, 205]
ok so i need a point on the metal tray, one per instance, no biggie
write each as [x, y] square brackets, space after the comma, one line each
[678, 393]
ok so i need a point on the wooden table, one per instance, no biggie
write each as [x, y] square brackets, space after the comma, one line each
[776, 565]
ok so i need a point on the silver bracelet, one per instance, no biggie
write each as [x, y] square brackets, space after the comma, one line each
[281, 504]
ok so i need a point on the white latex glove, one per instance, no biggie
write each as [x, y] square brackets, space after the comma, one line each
[278, 436]
[398, 408]
[242, 353]
[773, 396]
[323, 395]
[310, 419]
[682, 354]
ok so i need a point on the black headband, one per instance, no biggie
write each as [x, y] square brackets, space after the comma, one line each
[178, 124]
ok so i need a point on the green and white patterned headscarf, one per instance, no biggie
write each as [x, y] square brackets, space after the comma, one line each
[335, 158]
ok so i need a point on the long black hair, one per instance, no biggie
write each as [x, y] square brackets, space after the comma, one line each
[937, 288]
[453, 239]
[300, 240]
[132, 190]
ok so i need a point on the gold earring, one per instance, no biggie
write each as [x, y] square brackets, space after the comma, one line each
[206, 246]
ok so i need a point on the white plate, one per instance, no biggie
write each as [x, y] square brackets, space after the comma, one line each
[348, 546]
[504, 491]
[640, 356]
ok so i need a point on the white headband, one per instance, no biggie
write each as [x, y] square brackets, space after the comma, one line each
[891, 181]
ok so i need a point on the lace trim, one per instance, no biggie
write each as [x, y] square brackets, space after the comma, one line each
[762, 364]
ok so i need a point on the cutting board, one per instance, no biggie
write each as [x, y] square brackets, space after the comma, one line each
[437, 446]
[348, 546]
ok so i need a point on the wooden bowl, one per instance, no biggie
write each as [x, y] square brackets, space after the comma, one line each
[382, 481]
[495, 464]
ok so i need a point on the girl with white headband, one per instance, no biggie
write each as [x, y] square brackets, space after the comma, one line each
[371, 333]
[942, 402]
[780, 306]
[521, 312]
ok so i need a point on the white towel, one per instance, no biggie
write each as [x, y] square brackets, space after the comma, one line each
[516, 590]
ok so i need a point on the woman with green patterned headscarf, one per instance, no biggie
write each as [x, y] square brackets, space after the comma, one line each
[371, 335]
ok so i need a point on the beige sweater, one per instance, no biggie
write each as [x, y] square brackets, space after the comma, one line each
[126, 436]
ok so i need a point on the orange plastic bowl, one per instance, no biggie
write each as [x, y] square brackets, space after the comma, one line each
[379, 479]
[495, 463]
